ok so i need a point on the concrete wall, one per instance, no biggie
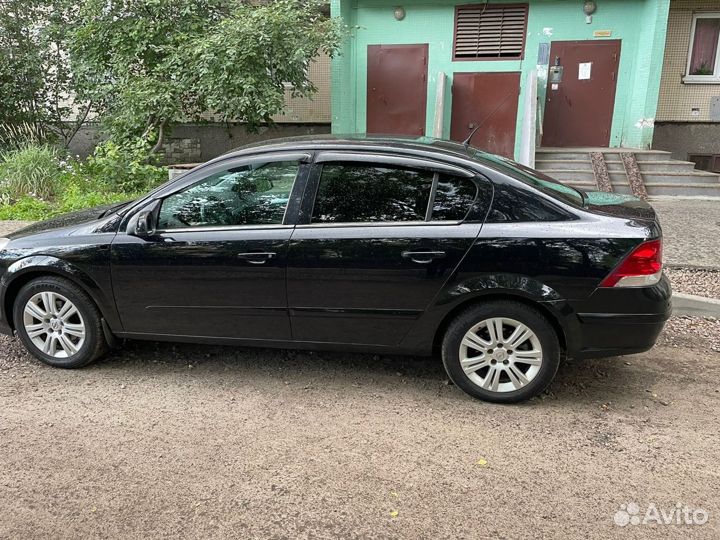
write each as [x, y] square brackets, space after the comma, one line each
[687, 138]
[193, 143]
[640, 24]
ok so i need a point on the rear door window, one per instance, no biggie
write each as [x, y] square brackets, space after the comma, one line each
[453, 198]
[365, 193]
[361, 193]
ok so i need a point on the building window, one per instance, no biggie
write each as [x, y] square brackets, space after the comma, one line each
[704, 55]
[706, 162]
[490, 31]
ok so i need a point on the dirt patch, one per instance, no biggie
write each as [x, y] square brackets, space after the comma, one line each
[189, 441]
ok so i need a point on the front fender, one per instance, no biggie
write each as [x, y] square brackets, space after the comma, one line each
[27, 268]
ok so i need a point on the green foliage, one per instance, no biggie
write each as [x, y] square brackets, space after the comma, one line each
[27, 208]
[147, 64]
[125, 168]
[36, 84]
[18, 136]
[32, 171]
[111, 175]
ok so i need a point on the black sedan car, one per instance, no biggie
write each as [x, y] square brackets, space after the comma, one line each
[385, 245]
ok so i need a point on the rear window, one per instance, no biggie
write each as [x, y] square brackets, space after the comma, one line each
[535, 179]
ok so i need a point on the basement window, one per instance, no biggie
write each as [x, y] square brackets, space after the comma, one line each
[490, 31]
[706, 162]
[704, 54]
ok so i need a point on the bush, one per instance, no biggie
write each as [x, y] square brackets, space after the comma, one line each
[45, 185]
[33, 171]
[124, 169]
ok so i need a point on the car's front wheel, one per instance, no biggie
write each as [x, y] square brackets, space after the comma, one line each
[501, 351]
[58, 323]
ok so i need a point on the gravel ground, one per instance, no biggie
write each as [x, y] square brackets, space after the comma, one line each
[694, 281]
[165, 440]
[681, 329]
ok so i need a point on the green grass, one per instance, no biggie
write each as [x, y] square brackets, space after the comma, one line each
[32, 171]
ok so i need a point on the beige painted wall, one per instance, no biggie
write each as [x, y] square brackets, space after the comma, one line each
[315, 109]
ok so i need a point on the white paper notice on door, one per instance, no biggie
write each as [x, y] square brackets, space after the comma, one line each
[584, 71]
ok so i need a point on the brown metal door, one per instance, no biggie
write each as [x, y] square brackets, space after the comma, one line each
[579, 108]
[397, 89]
[488, 100]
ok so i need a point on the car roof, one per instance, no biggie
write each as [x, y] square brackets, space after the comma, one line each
[362, 141]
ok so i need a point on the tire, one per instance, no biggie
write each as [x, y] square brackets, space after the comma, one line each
[501, 370]
[75, 337]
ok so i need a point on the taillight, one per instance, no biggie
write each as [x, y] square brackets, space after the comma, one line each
[643, 267]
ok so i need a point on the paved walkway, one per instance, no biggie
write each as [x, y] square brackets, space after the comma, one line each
[691, 228]
[6, 227]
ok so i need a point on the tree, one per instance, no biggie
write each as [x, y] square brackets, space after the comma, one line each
[36, 85]
[147, 64]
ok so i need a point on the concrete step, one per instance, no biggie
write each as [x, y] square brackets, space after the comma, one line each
[562, 164]
[654, 166]
[620, 178]
[573, 175]
[707, 190]
[646, 167]
[561, 156]
[613, 154]
[667, 166]
[697, 177]
[660, 189]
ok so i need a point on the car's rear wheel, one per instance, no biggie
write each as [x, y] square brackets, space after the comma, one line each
[501, 351]
[58, 323]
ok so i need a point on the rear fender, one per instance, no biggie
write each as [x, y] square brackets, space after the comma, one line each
[463, 293]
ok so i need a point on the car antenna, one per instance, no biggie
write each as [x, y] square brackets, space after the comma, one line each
[466, 142]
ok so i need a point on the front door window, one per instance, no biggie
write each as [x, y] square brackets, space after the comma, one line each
[254, 194]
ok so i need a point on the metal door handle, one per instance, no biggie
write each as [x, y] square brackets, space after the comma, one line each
[423, 257]
[257, 257]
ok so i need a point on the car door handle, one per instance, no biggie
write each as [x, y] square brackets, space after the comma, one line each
[257, 257]
[423, 257]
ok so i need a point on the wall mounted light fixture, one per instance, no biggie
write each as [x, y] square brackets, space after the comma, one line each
[589, 7]
[399, 13]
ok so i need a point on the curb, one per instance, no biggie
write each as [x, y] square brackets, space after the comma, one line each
[695, 306]
[683, 266]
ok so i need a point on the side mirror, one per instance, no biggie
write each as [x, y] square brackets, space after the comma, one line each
[145, 225]
[142, 224]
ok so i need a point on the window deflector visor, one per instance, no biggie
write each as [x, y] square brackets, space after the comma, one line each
[397, 161]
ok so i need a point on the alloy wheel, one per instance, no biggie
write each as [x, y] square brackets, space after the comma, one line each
[54, 324]
[500, 355]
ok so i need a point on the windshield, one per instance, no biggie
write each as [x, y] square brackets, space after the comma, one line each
[532, 177]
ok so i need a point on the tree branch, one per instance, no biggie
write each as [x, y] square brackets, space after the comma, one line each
[78, 124]
[158, 144]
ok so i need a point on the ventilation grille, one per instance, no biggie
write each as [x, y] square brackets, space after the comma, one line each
[485, 31]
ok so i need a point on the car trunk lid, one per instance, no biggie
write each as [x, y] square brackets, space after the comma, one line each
[619, 205]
